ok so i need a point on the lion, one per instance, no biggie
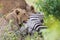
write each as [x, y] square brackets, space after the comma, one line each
[18, 15]
[12, 21]
[16, 18]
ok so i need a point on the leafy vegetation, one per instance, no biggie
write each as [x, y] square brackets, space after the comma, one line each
[49, 7]
[51, 10]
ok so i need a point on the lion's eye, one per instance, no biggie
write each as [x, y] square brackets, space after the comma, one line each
[17, 12]
[24, 13]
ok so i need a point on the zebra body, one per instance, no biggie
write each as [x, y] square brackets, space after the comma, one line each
[35, 22]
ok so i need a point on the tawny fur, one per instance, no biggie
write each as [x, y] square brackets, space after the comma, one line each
[16, 17]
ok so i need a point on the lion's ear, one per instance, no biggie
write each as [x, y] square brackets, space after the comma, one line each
[17, 12]
[32, 8]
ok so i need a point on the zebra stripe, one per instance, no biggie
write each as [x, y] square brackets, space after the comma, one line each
[34, 22]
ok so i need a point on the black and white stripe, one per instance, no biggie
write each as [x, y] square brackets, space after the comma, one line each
[34, 23]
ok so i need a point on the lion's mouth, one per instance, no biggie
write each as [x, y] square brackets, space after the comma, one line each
[24, 22]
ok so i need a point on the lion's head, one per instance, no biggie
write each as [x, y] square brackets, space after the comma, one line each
[18, 16]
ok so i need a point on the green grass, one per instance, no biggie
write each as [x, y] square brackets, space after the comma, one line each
[53, 31]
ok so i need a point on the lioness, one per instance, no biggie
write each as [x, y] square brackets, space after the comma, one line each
[16, 18]
[12, 21]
